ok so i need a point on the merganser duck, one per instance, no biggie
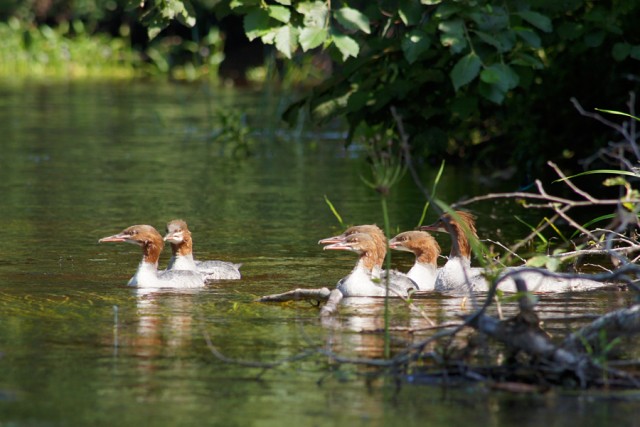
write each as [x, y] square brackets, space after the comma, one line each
[380, 240]
[179, 236]
[147, 275]
[370, 229]
[426, 250]
[458, 275]
[364, 280]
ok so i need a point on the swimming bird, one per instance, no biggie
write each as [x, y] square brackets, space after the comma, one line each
[426, 249]
[179, 236]
[147, 274]
[364, 279]
[371, 229]
[458, 275]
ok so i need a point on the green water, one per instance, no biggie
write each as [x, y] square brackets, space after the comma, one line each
[78, 347]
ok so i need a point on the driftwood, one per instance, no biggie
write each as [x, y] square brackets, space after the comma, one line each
[523, 334]
[612, 325]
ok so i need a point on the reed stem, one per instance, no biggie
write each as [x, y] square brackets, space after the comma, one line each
[387, 336]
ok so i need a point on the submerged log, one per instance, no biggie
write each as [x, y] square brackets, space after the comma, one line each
[523, 333]
[624, 322]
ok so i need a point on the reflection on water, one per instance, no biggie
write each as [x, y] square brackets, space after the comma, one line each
[155, 332]
[79, 161]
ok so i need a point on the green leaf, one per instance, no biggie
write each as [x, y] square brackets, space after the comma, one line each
[551, 263]
[533, 229]
[493, 93]
[415, 43]
[256, 24]
[285, 40]
[160, 17]
[235, 4]
[618, 113]
[620, 51]
[436, 181]
[635, 52]
[284, 2]
[312, 37]
[453, 35]
[334, 210]
[611, 182]
[594, 39]
[155, 28]
[447, 9]
[570, 30]
[489, 39]
[507, 40]
[594, 220]
[490, 76]
[494, 19]
[537, 261]
[315, 13]
[500, 75]
[352, 19]
[529, 36]
[528, 61]
[410, 11]
[502, 41]
[330, 106]
[346, 45]
[536, 19]
[602, 171]
[465, 70]
[279, 13]
[269, 37]
[464, 106]
[184, 12]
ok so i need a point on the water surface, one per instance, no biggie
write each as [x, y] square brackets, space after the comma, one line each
[78, 347]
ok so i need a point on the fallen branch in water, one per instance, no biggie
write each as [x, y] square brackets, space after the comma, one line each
[612, 325]
[523, 333]
[318, 295]
[332, 304]
[332, 299]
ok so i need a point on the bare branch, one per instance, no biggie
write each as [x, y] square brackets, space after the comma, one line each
[511, 252]
[332, 303]
[596, 116]
[571, 185]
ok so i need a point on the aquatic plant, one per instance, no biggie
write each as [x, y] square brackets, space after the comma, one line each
[232, 131]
